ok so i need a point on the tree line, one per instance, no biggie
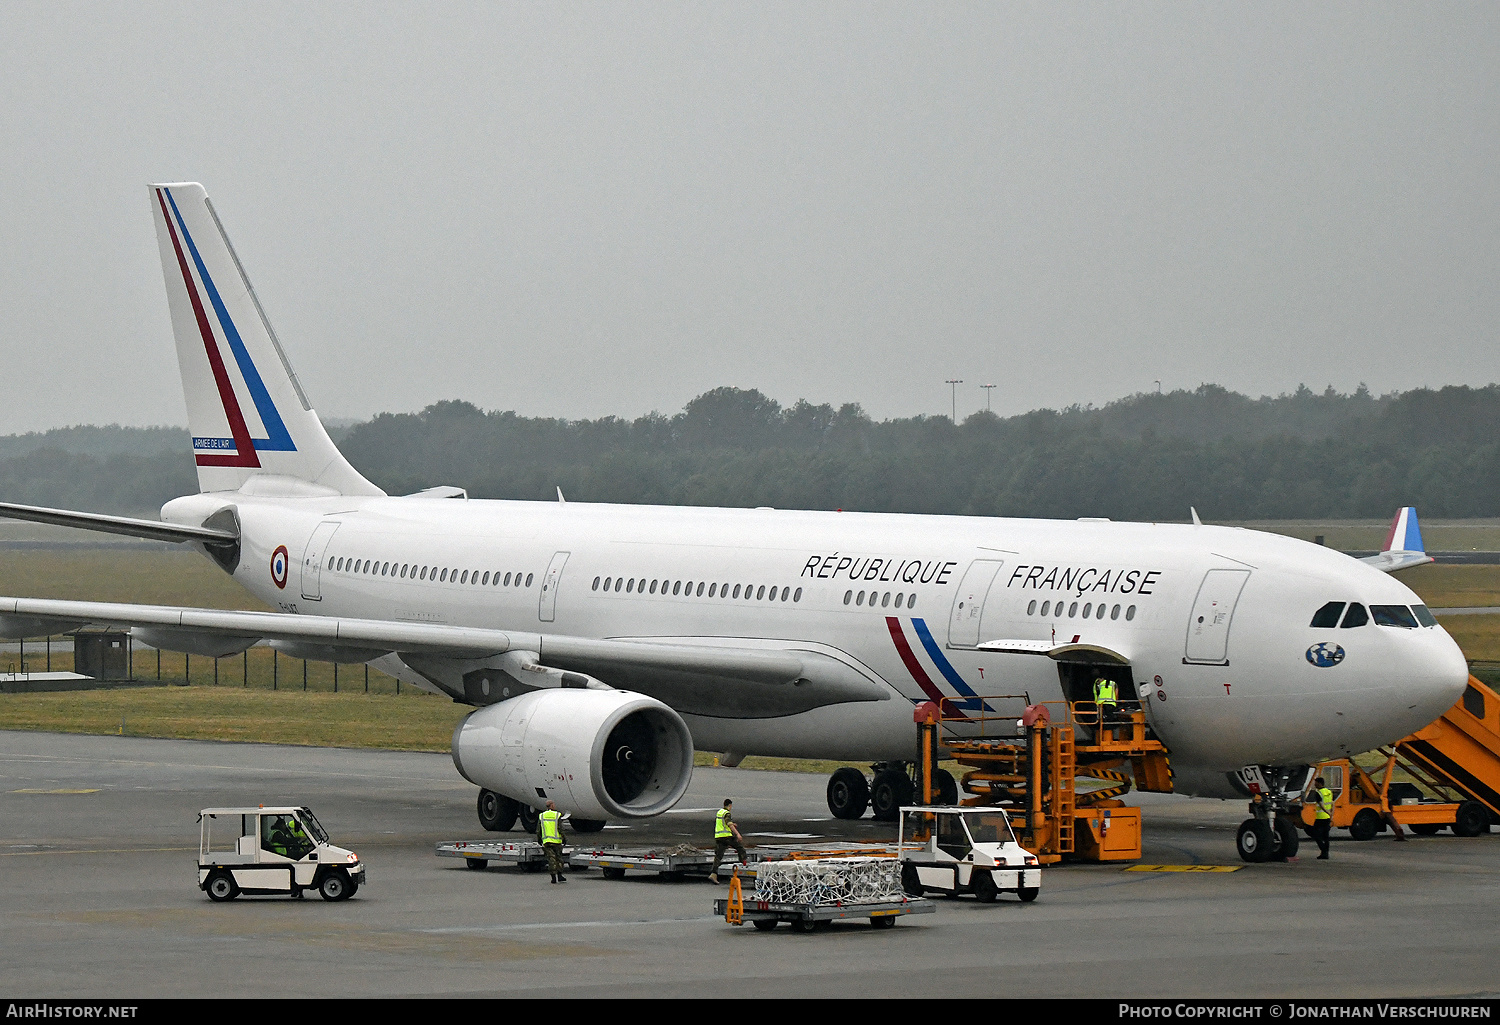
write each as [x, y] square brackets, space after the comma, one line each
[1147, 457]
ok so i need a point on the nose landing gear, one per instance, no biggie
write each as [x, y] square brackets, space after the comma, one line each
[1270, 834]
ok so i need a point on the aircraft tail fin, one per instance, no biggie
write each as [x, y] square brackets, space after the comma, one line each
[1405, 534]
[1403, 544]
[247, 413]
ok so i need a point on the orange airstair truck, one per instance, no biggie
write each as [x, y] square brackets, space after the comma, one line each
[1454, 770]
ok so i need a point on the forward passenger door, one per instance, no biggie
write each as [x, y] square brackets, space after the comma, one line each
[1213, 611]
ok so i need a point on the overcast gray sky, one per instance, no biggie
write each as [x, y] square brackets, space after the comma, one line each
[603, 208]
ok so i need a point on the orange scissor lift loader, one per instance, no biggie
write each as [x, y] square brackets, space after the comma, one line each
[1032, 768]
[1456, 758]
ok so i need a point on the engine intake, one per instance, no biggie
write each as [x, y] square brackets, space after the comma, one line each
[599, 754]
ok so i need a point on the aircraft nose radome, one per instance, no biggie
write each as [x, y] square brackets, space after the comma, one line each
[1438, 676]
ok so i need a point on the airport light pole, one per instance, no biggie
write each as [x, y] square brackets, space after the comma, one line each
[953, 383]
[987, 389]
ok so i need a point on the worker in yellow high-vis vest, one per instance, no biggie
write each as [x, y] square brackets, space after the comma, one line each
[1322, 816]
[1106, 697]
[726, 835]
[549, 832]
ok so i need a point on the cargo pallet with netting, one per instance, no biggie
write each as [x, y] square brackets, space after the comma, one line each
[814, 893]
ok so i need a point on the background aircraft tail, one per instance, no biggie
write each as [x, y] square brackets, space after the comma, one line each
[1403, 544]
[247, 412]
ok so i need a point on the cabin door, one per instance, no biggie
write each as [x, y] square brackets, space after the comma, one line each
[1208, 628]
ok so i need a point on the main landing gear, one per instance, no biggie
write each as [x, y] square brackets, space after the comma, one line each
[850, 792]
[500, 814]
[1270, 834]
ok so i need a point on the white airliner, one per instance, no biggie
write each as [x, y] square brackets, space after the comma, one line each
[602, 644]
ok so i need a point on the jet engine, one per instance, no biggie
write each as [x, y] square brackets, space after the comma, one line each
[600, 754]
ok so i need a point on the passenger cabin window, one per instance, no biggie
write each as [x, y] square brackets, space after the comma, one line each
[1356, 616]
[1327, 617]
[1394, 615]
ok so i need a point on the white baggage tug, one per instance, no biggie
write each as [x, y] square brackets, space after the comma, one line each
[965, 850]
[272, 850]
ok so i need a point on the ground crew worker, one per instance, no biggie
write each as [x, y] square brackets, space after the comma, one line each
[726, 835]
[1322, 817]
[549, 831]
[1106, 694]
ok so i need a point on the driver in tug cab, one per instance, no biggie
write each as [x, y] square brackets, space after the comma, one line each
[286, 838]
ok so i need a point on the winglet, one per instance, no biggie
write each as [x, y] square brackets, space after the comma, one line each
[1196, 521]
[1403, 544]
[560, 498]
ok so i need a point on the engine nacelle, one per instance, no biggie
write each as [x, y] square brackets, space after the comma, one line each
[600, 754]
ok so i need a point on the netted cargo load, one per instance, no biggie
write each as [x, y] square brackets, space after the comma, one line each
[829, 881]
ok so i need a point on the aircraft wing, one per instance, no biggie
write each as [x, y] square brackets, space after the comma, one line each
[705, 679]
[1403, 544]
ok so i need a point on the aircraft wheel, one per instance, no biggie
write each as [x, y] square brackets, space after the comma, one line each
[221, 887]
[1472, 819]
[497, 813]
[1365, 825]
[587, 825]
[891, 790]
[1254, 840]
[848, 793]
[1288, 840]
[527, 815]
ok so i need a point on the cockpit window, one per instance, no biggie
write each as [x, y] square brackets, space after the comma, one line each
[1424, 617]
[1394, 615]
[1356, 616]
[1328, 616]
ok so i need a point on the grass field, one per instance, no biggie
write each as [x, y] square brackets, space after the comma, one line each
[260, 696]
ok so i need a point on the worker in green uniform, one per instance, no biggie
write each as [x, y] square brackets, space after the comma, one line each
[1106, 696]
[726, 835]
[1322, 817]
[549, 832]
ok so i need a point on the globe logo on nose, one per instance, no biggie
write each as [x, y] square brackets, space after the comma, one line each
[1324, 654]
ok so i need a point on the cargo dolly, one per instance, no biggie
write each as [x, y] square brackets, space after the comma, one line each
[672, 864]
[765, 915]
[525, 854]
